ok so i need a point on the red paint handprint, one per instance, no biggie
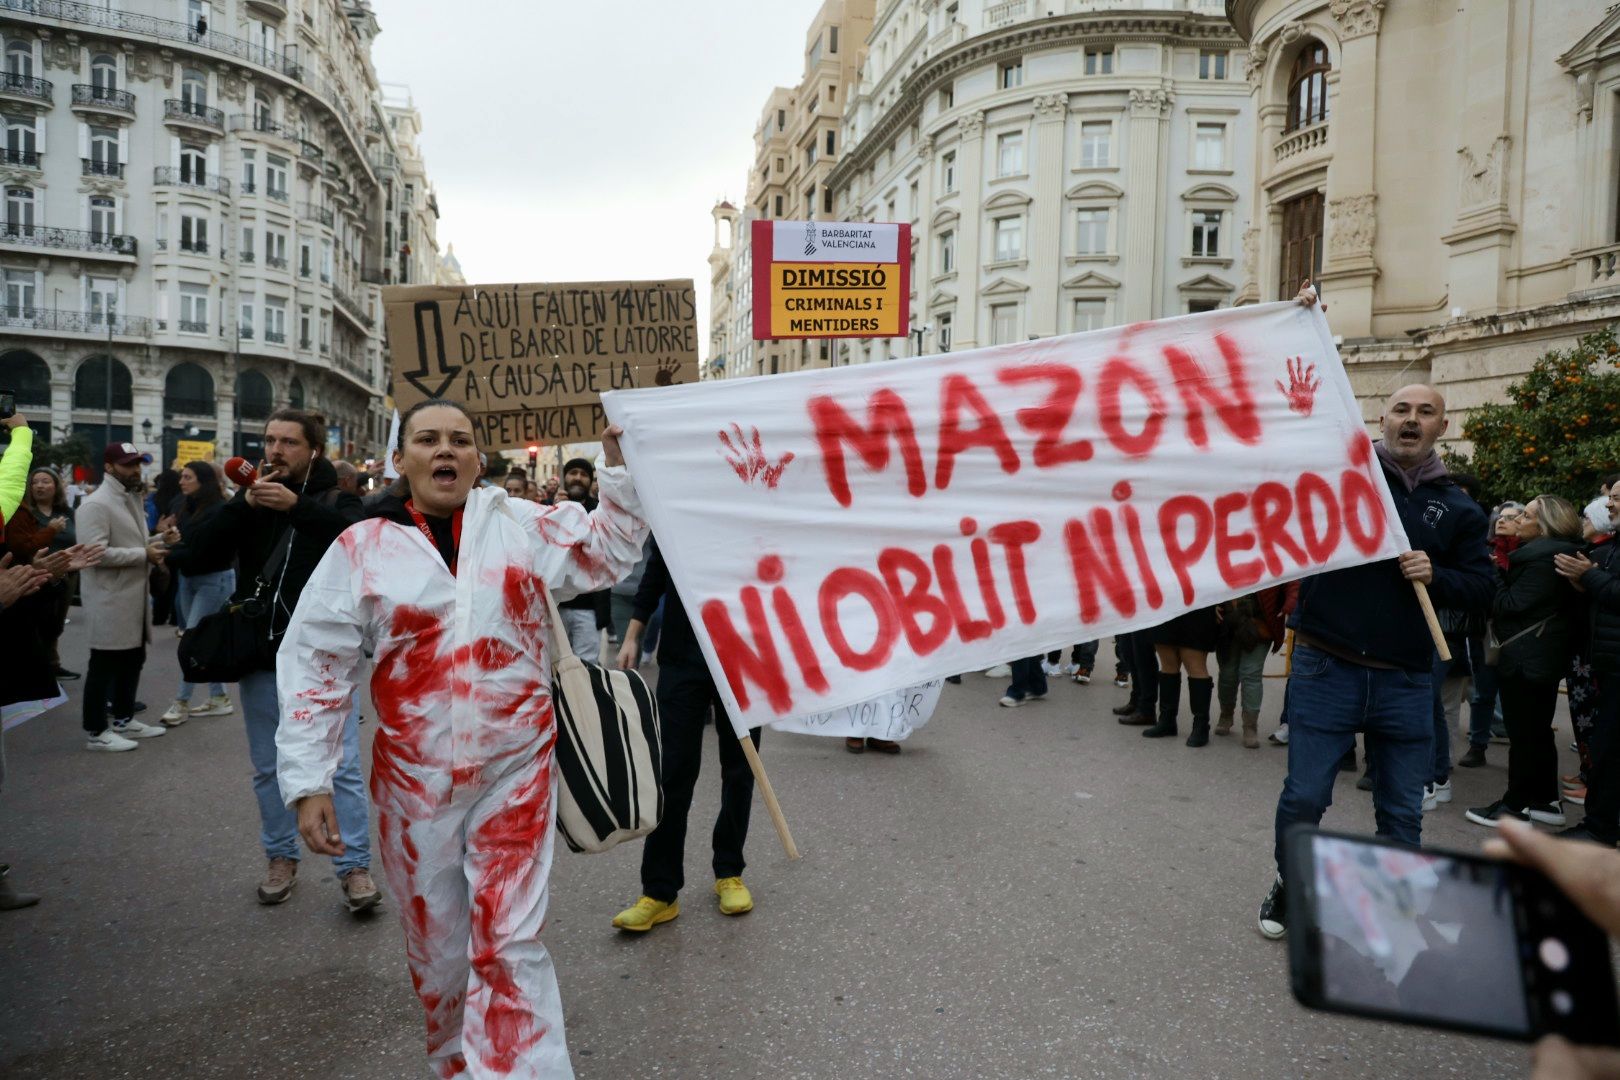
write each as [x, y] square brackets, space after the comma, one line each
[747, 458]
[1302, 386]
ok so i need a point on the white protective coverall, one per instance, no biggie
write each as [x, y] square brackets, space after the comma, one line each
[461, 773]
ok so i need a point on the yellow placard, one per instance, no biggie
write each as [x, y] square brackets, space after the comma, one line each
[824, 299]
[188, 450]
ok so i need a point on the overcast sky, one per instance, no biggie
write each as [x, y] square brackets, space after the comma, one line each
[587, 141]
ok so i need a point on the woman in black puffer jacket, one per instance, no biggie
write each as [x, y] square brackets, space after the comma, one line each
[1597, 574]
[1530, 619]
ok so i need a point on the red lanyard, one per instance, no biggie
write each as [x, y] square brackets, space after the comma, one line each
[455, 531]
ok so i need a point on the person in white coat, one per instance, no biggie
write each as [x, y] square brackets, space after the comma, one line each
[114, 599]
[447, 584]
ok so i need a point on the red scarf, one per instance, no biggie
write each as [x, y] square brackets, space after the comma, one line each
[455, 530]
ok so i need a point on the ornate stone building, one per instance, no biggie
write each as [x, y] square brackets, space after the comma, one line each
[1449, 173]
[1063, 167]
[201, 199]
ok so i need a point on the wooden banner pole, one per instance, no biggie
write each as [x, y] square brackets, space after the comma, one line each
[1429, 617]
[770, 797]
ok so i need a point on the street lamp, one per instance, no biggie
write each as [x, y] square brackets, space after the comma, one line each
[917, 333]
[146, 429]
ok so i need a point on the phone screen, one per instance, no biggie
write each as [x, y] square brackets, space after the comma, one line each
[8, 404]
[1426, 935]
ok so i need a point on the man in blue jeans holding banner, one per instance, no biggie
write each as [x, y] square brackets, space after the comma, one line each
[279, 527]
[1363, 656]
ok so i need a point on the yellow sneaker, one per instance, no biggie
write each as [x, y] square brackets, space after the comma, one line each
[646, 913]
[735, 899]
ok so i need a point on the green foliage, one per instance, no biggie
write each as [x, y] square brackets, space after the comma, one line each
[65, 454]
[1561, 430]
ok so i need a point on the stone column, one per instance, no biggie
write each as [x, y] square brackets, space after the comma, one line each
[923, 237]
[1349, 269]
[1144, 201]
[970, 159]
[1046, 214]
[1480, 238]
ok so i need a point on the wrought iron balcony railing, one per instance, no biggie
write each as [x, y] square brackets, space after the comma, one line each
[168, 174]
[27, 159]
[56, 320]
[193, 112]
[92, 167]
[103, 97]
[26, 86]
[83, 240]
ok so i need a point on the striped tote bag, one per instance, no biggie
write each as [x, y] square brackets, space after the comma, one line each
[607, 752]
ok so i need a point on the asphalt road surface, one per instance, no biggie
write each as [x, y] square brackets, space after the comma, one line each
[1022, 893]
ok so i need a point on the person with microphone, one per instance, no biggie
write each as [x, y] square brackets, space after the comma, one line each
[278, 526]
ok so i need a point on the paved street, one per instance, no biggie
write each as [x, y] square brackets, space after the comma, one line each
[1030, 893]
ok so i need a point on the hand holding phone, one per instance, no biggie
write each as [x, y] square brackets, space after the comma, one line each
[1445, 939]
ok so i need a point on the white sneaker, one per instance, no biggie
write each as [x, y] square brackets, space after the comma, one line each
[176, 714]
[134, 729]
[1280, 736]
[1441, 792]
[1000, 671]
[1053, 671]
[110, 740]
[1070, 669]
[1007, 701]
[215, 706]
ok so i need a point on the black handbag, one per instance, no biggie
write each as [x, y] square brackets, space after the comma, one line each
[240, 638]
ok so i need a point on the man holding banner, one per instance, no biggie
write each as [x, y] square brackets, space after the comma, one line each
[1363, 656]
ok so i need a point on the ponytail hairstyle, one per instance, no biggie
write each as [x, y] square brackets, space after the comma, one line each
[401, 488]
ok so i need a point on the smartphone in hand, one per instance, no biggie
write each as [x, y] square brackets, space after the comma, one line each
[1443, 939]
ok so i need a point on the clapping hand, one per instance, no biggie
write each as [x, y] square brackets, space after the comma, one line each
[17, 582]
[1573, 568]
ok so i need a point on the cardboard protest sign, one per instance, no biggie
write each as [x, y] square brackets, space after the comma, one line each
[840, 533]
[531, 362]
[819, 279]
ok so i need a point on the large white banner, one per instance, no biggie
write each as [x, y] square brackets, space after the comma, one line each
[837, 534]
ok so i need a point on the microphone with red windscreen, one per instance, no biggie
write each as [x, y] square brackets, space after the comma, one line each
[241, 473]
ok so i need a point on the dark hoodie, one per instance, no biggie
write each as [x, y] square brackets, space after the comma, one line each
[253, 533]
[1371, 611]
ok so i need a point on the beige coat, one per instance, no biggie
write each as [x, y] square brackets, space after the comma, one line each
[114, 593]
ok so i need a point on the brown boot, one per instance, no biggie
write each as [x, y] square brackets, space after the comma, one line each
[1251, 729]
[1223, 726]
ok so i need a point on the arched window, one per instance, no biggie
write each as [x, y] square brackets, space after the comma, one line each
[254, 398]
[295, 393]
[20, 59]
[103, 219]
[29, 376]
[19, 211]
[194, 90]
[104, 72]
[90, 386]
[188, 391]
[1307, 86]
[193, 164]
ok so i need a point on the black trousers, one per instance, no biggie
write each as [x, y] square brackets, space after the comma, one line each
[1144, 667]
[687, 701]
[1527, 710]
[1603, 785]
[113, 675]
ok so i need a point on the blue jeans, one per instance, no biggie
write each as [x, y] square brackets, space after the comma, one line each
[278, 825]
[1028, 680]
[1329, 700]
[1483, 706]
[1083, 655]
[196, 596]
[1441, 771]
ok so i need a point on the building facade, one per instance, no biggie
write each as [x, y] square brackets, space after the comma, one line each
[1449, 174]
[1061, 171]
[198, 207]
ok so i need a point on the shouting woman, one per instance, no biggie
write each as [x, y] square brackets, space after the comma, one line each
[447, 583]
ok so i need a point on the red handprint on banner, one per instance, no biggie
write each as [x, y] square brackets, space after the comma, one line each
[747, 458]
[1302, 386]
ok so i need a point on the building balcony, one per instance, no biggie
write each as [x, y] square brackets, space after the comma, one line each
[101, 16]
[193, 114]
[373, 276]
[275, 263]
[92, 167]
[1598, 269]
[275, 337]
[1302, 143]
[244, 333]
[102, 99]
[93, 242]
[192, 326]
[263, 125]
[384, 162]
[275, 9]
[59, 321]
[1005, 13]
[245, 258]
[19, 159]
[310, 151]
[353, 309]
[25, 88]
[170, 176]
[276, 194]
[189, 247]
[311, 212]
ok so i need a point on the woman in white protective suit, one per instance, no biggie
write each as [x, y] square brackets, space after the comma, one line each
[446, 584]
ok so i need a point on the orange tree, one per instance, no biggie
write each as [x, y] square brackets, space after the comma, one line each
[1560, 431]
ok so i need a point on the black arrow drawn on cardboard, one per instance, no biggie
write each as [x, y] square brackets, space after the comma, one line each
[420, 377]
